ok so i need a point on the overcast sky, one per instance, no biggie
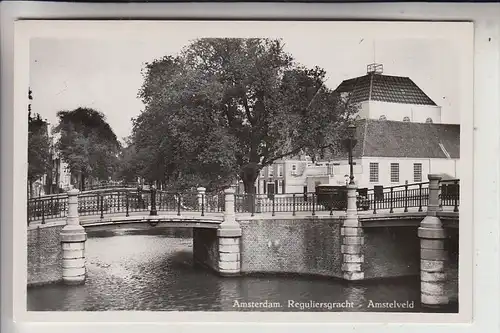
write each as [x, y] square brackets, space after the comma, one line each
[106, 74]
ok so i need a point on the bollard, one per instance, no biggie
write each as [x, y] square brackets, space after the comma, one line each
[73, 237]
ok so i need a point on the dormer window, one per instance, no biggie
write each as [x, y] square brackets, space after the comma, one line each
[428, 120]
[382, 117]
[406, 119]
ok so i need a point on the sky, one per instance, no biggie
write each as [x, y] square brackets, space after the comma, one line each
[105, 74]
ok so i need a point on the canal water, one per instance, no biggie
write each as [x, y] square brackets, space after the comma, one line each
[154, 271]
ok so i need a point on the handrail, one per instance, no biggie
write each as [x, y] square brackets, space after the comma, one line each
[129, 200]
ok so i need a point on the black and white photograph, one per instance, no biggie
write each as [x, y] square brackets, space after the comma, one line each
[234, 167]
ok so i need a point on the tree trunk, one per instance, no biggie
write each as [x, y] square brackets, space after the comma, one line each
[249, 175]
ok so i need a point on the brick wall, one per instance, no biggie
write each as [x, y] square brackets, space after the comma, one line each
[44, 255]
[391, 252]
[206, 248]
[310, 246]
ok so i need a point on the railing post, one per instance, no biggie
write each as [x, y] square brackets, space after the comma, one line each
[273, 197]
[178, 204]
[457, 194]
[102, 206]
[201, 199]
[434, 189]
[313, 205]
[43, 211]
[153, 211]
[406, 198]
[391, 200]
[73, 237]
[253, 196]
[420, 197]
[126, 204]
[293, 204]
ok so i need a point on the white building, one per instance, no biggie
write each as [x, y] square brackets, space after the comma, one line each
[400, 138]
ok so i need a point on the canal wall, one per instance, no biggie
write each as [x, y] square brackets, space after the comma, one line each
[206, 248]
[44, 254]
[300, 246]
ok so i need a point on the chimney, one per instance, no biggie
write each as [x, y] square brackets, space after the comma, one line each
[375, 68]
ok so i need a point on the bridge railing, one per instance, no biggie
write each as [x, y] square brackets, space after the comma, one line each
[127, 201]
[449, 194]
[404, 197]
[278, 203]
[43, 208]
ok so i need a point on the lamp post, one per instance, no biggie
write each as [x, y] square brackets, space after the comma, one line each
[350, 142]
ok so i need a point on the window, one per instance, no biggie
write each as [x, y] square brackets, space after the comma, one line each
[406, 119]
[373, 172]
[262, 172]
[417, 172]
[329, 168]
[270, 171]
[294, 169]
[382, 117]
[428, 120]
[280, 170]
[394, 172]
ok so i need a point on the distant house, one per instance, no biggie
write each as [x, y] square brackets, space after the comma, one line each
[395, 152]
[400, 138]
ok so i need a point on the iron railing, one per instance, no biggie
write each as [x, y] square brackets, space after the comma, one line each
[127, 201]
[43, 208]
[449, 194]
[398, 197]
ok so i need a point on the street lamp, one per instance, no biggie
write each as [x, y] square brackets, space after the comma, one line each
[349, 144]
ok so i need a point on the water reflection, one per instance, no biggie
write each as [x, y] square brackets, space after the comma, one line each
[153, 270]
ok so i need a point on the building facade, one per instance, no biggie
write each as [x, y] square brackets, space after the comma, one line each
[400, 139]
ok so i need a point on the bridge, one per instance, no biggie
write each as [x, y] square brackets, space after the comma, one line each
[361, 234]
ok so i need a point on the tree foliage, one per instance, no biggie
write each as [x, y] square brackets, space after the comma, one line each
[39, 157]
[87, 143]
[224, 108]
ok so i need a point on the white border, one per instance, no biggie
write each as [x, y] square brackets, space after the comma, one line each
[485, 179]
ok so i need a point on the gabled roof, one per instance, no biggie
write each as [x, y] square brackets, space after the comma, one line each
[385, 138]
[384, 88]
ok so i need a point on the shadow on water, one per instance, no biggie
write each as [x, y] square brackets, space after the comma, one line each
[153, 270]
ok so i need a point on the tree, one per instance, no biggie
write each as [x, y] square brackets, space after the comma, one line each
[39, 157]
[87, 144]
[224, 108]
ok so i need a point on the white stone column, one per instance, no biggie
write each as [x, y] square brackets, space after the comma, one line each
[73, 237]
[202, 199]
[229, 236]
[433, 255]
[352, 240]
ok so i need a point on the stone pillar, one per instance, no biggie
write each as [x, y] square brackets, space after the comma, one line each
[202, 199]
[229, 236]
[73, 237]
[352, 240]
[433, 255]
